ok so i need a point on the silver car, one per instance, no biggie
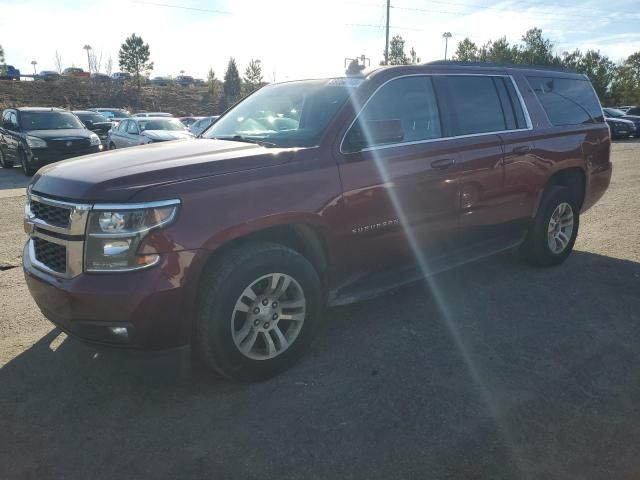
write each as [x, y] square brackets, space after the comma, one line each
[201, 125]
[140, 131]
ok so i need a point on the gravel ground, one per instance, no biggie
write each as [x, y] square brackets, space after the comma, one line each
[495, 370]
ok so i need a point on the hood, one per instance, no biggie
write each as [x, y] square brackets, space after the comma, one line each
[60, 133]
[633, 118]
[620, 120]
[163, 135]
[117, 175]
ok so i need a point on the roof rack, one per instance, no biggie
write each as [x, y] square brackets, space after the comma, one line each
[456, 63]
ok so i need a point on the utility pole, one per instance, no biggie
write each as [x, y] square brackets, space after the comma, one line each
[88, 48]
[386, 43]
[34, 63]
[446, 36]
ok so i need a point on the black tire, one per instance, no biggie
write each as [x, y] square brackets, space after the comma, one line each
[536, 248]
[27, 168]
[112, 146]
[222, 284]
[4, 162]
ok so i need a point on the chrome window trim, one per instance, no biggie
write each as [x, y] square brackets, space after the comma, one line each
[431, 140]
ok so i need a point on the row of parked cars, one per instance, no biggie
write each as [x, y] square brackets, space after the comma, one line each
[624, 122]
[36, 136]
[74, 72]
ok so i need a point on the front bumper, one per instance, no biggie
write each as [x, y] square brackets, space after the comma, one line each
[155, 305]
[40, 157]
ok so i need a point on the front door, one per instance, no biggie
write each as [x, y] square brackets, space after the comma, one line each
[400, 190]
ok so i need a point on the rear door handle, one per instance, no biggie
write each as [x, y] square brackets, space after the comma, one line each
[443, 163]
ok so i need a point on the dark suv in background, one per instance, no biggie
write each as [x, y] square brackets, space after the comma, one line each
[95, 122]
[312, 193]
[34, 137]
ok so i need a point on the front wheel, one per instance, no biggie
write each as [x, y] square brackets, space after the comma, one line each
[27, 168]
[112, 146]
[258, 309]
[554, 230]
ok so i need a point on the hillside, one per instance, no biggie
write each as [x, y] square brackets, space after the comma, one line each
[75, 95]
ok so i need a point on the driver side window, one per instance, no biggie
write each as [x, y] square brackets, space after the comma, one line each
[132, 128]
[402, 111]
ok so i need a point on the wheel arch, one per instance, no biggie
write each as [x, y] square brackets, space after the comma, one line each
[574, 178]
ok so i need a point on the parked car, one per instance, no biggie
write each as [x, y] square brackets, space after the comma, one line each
[161, 81]
[624, 108]
[199, 82]
[617, 121]
[152, 114]
[48, 76]
[634, 110]
[75, 73]
[100, 77]
[120, 76]
[140, 131]
[115, 115]
[97, 123]
[9, 72]
[188, 121]
[184, 80]
[201, 125]
[34, 137]
[314, 192]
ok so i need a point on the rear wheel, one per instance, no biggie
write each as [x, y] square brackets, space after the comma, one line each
[554, 230]
[258, 309]
[27, 168]
[4, 161]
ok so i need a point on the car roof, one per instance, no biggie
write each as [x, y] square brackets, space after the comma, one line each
[139, 119]
[86, 112]
[40, 109]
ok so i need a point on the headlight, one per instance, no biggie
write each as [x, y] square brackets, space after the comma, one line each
[35, 142]
[115, 232]
[94, 139]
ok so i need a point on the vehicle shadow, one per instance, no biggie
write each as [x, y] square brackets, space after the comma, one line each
[493, 370]
[13, 178]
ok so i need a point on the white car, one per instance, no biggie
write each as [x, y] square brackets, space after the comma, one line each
[142, 130]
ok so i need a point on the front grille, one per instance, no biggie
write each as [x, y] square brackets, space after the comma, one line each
[69, 146]
[53, 215]
[50, 254]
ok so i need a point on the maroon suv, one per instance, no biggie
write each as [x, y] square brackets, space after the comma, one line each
[311, 193]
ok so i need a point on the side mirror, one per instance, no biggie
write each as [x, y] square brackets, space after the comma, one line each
[373, 132]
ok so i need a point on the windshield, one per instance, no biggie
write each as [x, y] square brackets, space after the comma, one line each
[49, 121]
[614, 112]
[92, 117]
[161, 124]
[285, 115]
[114, 113]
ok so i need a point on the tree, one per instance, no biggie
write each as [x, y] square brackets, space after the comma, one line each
[467, 51]
[396, 51]
[625, 87]
[500, 51]
[2, 65]
[108, 69]
[232, 84]
[57, 61]
[253, 75]
[134, 58]
[536, 50]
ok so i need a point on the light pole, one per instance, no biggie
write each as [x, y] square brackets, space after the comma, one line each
[34, 63]
[87, 48]
[446, 36]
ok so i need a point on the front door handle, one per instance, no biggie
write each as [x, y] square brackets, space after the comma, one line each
[443, 163]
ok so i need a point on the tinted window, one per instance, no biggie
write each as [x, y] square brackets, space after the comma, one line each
[633, 111]
[567, 101]
[410, 102]
[92, 117]
[49, 121]
[472, 104]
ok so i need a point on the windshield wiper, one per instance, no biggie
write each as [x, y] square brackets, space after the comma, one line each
[240, 138]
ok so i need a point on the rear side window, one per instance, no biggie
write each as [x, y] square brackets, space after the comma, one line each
[473, 104]
[567, 101]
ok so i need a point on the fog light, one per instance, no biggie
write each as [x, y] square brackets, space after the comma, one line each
[121, 332]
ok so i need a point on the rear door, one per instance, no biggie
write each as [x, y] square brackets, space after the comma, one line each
[400, 194]
[12, 135]
[475, 116]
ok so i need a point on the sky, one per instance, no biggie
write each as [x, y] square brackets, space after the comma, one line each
[297, 38]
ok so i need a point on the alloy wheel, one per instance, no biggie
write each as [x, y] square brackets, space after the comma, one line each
[560, 228]
[268, 316]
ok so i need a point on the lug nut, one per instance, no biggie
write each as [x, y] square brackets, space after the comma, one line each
[266, 325]
[265, 302]
[275, 316]
[256, 322]
[256, 310]
[274, 305]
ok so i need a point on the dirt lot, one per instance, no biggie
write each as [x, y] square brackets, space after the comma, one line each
[495, 370]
